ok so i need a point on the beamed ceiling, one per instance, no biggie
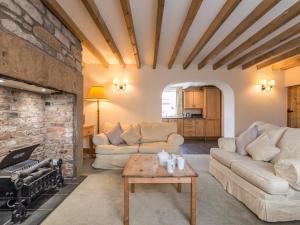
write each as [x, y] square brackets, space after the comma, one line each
[203, 33]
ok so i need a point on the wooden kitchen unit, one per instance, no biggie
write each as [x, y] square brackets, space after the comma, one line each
[208, 101]
[193, 98]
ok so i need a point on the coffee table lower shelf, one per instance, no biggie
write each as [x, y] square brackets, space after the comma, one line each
[159, 180]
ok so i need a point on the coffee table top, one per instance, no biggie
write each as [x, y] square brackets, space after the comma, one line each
[148, 166]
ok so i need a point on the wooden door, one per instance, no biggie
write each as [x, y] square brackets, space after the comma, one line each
[188, 99]
[293, 111]
[212, 103]
[198, 99]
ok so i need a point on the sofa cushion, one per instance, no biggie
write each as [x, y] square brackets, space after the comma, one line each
[107, 126]
[155, 147]
[114, 135]
[153, 132]
[244, 139]
[289, 169]
[289, 145]
[262, 148]
[275, 134]
[262, 175]
[227, 158]
[131, 136]
[113, 149]
[263, 126]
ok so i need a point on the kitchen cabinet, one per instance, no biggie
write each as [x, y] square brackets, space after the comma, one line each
[212, 128]
[193, 98]
[178, 121]
[212, 103]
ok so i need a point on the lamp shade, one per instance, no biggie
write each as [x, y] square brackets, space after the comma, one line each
[97, 93]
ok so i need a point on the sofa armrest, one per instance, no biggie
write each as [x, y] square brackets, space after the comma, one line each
[227, 144]
[100, 139]
[289, 169]
[175, 139]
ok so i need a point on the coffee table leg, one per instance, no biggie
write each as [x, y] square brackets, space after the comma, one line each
[126, 201]
[132, 188]
[179, 187]
[193, 201]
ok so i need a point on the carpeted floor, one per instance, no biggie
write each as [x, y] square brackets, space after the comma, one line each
[99, 201]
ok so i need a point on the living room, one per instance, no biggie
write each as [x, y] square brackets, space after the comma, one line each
[149, 112]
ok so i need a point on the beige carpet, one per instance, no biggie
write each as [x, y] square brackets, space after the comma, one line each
[99, 201]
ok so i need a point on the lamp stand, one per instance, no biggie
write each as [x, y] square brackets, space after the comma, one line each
[98, 116]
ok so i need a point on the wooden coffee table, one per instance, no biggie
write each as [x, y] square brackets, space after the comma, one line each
[145, 169]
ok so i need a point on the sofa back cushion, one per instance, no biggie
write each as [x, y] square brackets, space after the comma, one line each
[289, 145]
[263, 126]
[152, 132]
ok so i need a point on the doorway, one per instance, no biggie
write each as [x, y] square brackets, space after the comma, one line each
[293, 111]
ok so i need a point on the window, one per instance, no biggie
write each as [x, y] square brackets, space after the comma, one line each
[169, 103]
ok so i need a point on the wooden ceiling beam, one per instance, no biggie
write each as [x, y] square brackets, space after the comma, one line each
[282, 19]
[287, 64]
[286, 55]
[226, 10]
[130, 28]
[193, 10]
[59, 12]
[276, 51]
[255, 15]
[283, 36]
[159, 17]
[100, 23]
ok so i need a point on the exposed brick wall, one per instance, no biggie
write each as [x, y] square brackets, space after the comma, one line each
[59, 124]
[32, 21]
[27, 118]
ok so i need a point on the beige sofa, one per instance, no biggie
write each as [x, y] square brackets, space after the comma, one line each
[255, 183]
[154, 138]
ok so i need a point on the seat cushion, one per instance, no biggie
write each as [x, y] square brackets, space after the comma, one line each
[262, 175]
[155, 147]
[155, 132]
[116, 149]
[227, 158]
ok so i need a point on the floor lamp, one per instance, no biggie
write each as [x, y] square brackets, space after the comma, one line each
[97, 93]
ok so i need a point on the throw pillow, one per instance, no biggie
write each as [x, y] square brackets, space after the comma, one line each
[244, 139]
[262, 148]
[130, 136]
[114, 135]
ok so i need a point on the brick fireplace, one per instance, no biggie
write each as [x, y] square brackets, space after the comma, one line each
[36, 48]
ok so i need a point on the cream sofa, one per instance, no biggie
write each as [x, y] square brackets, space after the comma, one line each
[154, 138]
[255, 183]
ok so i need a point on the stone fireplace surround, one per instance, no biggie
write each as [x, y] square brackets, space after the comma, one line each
[22, 61]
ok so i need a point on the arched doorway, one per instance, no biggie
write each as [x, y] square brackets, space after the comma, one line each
[227, 107]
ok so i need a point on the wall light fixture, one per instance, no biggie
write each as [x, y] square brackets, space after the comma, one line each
[120, 85]
[267, 85]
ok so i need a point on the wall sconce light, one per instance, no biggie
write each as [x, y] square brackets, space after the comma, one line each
[120, 86]
[267, 85]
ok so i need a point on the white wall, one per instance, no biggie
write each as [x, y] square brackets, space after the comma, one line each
[142, 100]
[292, 76]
